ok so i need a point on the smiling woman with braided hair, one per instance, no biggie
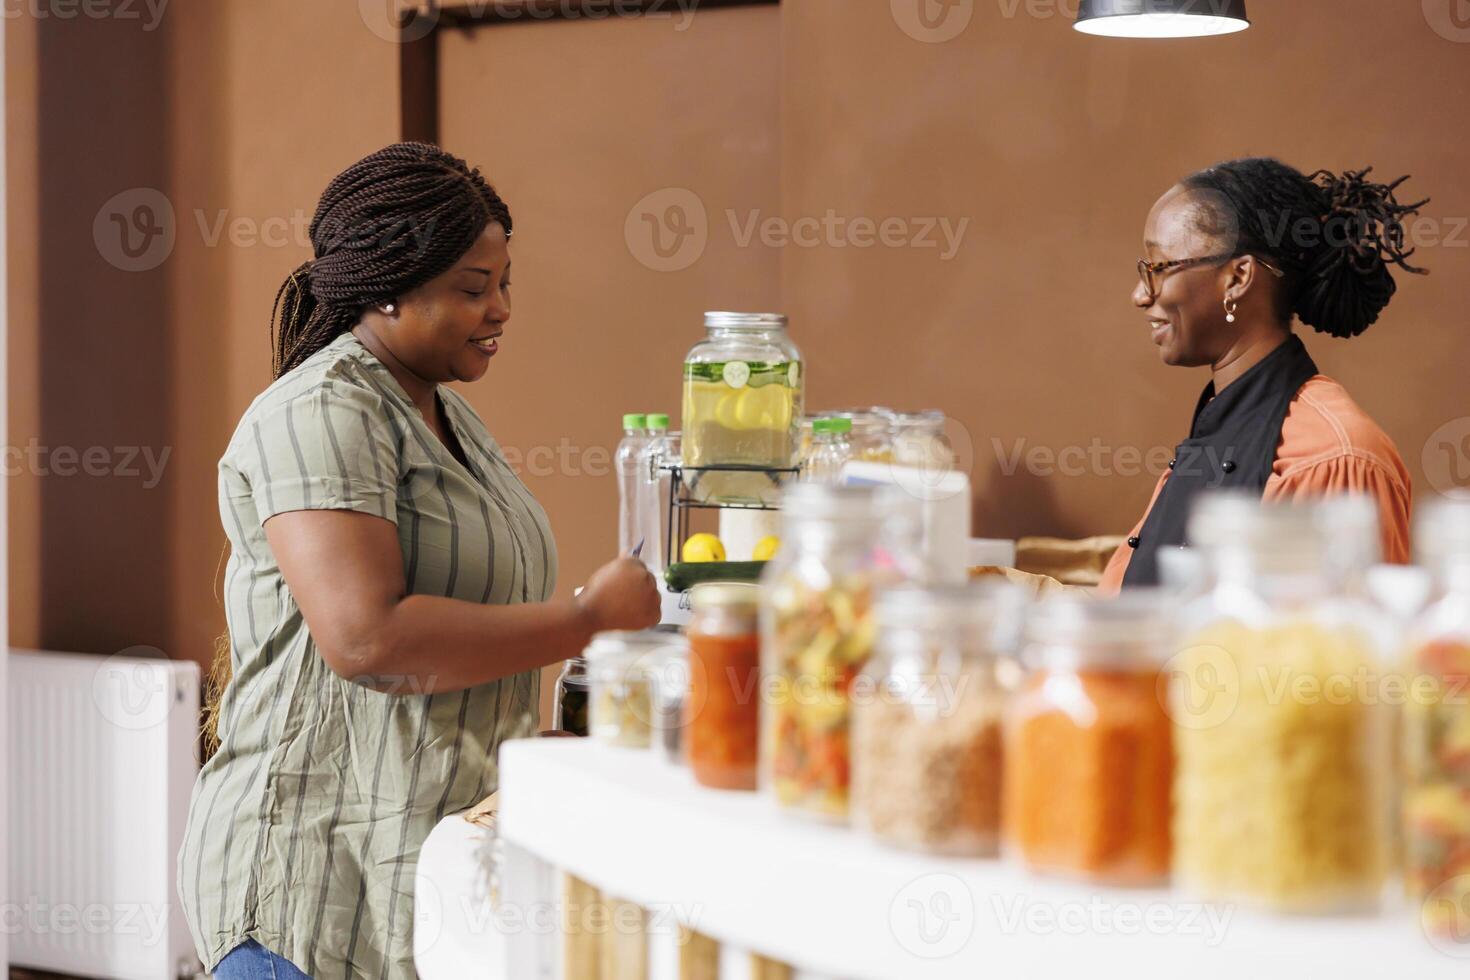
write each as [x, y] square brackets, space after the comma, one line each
[388, 593]
[1234, 254]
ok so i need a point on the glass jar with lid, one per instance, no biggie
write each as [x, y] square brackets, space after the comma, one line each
[872, 433]
[928, 717]
[569, 707]
[624, 669]
[1089, 761]
[722, 716]
[1436, 802]
[1282, 734]
[817, 632]
[919, 441]
[742, 407]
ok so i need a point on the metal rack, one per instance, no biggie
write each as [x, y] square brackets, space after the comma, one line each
[683, 498]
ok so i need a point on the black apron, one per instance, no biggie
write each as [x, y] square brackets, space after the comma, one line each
[1232, 443]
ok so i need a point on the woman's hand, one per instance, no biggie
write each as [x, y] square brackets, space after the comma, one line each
[621, 595]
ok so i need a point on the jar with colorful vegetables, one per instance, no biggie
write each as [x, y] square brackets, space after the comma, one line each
[927, 719]
[742, 407]
[722, 715]
[1089, 760]
[817, 632]
[1436, 798]
[1279, 695]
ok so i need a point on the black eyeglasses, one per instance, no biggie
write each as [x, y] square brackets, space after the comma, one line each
[1152, 273]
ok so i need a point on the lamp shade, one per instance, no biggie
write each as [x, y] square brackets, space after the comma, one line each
[1161, 18]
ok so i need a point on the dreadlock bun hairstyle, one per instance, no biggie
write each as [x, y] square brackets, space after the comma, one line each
[387, 224]
[1333, 236]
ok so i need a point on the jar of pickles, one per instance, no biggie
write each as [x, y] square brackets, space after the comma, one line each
[742, 407]
[1283, 738]
[569, 707]
[722, 715]
[1436, 802]
[927, 719]
[817, 631]
[1089, 760]
[624, 670]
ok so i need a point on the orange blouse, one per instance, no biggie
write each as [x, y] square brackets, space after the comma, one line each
[1328, 445]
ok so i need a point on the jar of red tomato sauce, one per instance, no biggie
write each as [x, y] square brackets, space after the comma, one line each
[722, 719]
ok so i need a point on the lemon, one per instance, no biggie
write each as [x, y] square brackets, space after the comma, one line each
[748, 409]
[766, 548]
[704, 547]
[725, 410]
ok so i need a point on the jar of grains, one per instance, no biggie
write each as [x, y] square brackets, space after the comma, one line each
[927, 719]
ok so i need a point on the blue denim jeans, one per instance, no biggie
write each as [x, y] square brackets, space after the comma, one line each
[252, 961]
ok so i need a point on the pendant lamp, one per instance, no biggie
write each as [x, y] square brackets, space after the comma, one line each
[1161, 18]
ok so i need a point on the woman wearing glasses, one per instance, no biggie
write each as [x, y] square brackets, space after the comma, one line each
[1235, 253]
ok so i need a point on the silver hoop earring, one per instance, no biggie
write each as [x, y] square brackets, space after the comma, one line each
[1230, 308]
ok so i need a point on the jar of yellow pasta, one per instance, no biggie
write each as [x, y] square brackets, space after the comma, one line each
[1283, 732]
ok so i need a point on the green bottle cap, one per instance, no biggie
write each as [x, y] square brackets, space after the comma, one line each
[821, 426]
[635, 420]
[658, 420]
[839, 425]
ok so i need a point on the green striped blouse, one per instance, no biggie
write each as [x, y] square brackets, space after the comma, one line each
[305, 826]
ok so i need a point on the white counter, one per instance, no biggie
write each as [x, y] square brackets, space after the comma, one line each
[833, 903]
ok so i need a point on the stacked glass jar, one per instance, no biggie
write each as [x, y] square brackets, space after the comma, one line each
[928, 715]
[742, 407]
[871, 436]
[838, 546]
[1283, 740]
[1436, 801]
[1089, 760]
[919, 441]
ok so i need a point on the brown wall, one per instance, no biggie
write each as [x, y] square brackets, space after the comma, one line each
[1055, 145]
[1052, 144]
[571, 121]
[245, 109]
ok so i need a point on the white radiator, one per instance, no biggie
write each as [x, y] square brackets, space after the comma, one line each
[103, 755]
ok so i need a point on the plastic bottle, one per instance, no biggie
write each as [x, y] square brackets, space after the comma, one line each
[653, 491]
[830, 450]
[625, 464]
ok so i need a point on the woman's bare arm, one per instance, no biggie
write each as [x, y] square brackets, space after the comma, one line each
[345, 570]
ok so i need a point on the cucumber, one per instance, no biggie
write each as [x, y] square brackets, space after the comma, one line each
[682, 576]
